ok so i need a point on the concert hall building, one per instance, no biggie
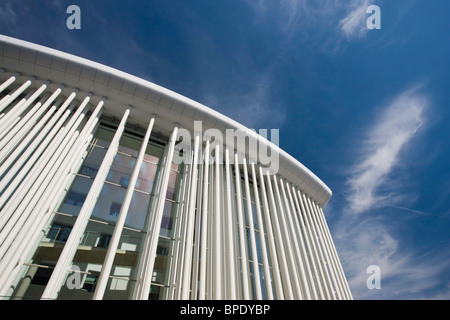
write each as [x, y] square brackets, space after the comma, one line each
[112, 187]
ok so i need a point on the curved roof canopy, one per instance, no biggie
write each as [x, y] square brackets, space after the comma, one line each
[122, 89]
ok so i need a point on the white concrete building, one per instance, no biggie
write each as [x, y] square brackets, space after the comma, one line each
[96, 204]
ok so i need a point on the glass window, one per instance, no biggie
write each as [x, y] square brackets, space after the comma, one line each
[59, 232]
[88, 171]
[124, 181]
[103, 241]
[75, 198]
[90, 282]
[42, 276]
[115, 209]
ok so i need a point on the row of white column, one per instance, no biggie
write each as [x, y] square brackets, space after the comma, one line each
[211, 259]
[42, 145]
[44, 136]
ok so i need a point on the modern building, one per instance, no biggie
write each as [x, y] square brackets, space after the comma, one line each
[115, 188]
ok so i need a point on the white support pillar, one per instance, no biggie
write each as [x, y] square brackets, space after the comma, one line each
[308, 244]
[294, 275]
[198, 227]
[277, 282]
[326, 251]
[117, 233]
[22, 250]
[56, 154]
[310, 287]
[70, 248]
[235, 233]
[19, 108]
[20, 129]
[10, 97]
[30, 233]
[28, 147]
[10, 120]
[204, 231]
[147, 263]
[262, 238]
[10, 80]
[187, 270]
[313, 241]
[337, 261]
[12, 140]
[322, 256]
[179, 247]
[217, 253]
[242, 233]
[303, 282]
[37, 164]
[284, 269]
[252, 232]
[232, 281]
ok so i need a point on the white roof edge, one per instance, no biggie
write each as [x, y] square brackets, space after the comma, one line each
[285, 158]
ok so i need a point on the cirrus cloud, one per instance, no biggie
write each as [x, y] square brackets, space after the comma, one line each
[397, 125]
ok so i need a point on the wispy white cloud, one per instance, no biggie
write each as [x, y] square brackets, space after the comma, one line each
[396, 126]
[405, 274]
[326, 24]
[369, 238]
[353, 25]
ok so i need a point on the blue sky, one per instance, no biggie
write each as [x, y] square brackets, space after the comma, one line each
[366, 110]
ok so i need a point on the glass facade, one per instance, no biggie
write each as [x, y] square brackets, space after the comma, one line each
[77, 221]
[92, 247]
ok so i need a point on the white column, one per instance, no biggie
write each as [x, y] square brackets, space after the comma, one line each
[115, 238]
[45, 179]
[10, 80]
[230, 234]
[302, 282]
[35, 162]
[277, 282]
[308, 243]
[326, 250]
[21, 127]
[217, 254]
[310, 287]
[262, 238]
[252, 232]
[22, 250]
[12, 138]
[198, 227]
[204, 230]
[242, 233]
[337, 261]
[19, 108]
[185, 287]
[28, 147]
[147, 263]
[294, 276]
[320, 275]
[320, 249]
[10, 97]
[70, 248]
[284, 269]
[179, 247]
